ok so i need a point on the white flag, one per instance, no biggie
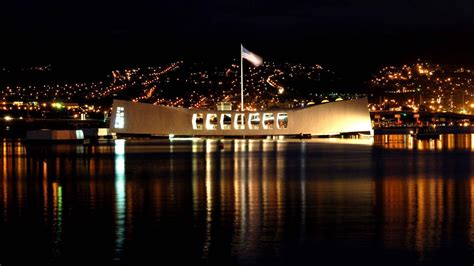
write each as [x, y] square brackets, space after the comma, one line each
[251, 57]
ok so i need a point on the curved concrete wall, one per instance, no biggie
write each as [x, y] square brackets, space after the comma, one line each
[325, 119]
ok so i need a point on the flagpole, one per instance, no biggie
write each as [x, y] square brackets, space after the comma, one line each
[241, 80]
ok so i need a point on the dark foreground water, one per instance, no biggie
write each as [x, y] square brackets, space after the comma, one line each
[390, 201]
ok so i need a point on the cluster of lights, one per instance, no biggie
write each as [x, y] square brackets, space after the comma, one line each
[425, 86]
[191, 85]
[265, 86]
[18, 109]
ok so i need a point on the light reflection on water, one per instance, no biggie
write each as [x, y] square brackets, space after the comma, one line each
[445, 142]
[387, 200]
[120, 197]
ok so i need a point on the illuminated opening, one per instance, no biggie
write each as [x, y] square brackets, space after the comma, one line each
[198, 121]
[211, 122]
[282, 120]
[239, 122]
[226, 121]
[79, 134]
[120, 117]
[268, 121]
[254, 121]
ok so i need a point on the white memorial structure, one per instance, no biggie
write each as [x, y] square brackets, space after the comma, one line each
[333, 118]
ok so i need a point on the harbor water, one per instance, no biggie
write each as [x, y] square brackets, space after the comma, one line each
[387, 200]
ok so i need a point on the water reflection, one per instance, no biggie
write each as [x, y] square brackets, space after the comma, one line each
[120, 197]
[57, 218]
[208, 198]
[445, 142]
[240, 201]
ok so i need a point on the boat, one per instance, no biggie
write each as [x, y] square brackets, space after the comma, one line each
[328, 119]
[425, 132]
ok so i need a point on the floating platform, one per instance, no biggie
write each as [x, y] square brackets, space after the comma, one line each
[55, 136]
[334, 118]
[98, 134]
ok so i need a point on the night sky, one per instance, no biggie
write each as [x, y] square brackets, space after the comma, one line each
[354, 37]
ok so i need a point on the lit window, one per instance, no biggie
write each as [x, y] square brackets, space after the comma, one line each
[282, 120]
[120, 117]
[239, 122]
[268, 121]
[254, 121]
[211, 122]
[198, 121]
[226, 121]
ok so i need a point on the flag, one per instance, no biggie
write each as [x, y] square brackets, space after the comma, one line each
[251, 57]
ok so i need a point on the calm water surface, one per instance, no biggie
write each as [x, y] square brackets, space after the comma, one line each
[386, 201]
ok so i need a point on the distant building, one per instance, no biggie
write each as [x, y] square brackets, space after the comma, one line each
[224, 106]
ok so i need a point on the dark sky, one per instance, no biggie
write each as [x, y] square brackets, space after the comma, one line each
[353, 36]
